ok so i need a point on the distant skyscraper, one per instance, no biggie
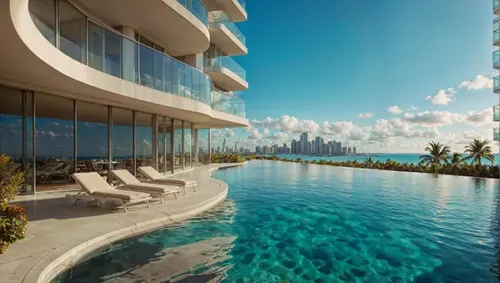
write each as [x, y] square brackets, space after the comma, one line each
[349, 151]
[304, 142]
[338, 148]
[344, 150]
[224, 145]
[354, 150]
[318, 146]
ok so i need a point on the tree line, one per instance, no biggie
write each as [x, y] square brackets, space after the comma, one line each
[439, 159]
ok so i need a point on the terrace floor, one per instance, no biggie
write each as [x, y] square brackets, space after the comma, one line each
[59, 234]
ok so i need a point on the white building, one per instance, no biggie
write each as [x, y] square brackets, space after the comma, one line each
[92, 85]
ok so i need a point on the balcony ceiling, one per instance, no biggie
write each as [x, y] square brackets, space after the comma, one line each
[231, 7]
[165, 22]
[226, 41]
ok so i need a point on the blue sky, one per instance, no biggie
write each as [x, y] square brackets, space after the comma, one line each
[330, 60]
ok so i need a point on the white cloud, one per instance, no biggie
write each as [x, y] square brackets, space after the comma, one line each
[411, 108]
[395, 109]
[433, 118]
[365, 115]
[480, 82]
[479, 118]
[443, 97]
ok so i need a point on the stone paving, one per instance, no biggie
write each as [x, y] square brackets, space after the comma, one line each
[59, 234]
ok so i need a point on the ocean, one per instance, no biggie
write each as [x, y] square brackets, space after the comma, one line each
[399, 157]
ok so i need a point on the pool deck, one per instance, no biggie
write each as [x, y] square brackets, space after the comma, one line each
[60, 234]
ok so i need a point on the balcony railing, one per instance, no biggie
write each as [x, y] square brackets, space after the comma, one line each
[215, 58]
[496, 58]
[124, 58]
[219, 18]
[496, 83]
[496, 31]
[228, 103]
[496, 113]
[496, 5]
[197, 8]
[496, 134]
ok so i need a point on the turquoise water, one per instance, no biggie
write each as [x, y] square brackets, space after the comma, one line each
[290, 222]
[382, 157]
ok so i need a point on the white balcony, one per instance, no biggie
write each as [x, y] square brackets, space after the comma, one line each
[226, 35]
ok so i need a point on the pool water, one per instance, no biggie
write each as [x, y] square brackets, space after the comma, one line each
[291, 222]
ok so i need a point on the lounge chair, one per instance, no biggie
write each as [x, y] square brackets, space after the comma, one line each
[131, 182]
[95, 187]
[157, 177]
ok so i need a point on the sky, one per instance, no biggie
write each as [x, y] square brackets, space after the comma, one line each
[385, 75]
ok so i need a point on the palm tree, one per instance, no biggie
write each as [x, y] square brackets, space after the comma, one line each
[478, 150]
[369, 162]
[437, 152]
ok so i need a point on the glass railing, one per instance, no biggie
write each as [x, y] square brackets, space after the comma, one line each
[197, 8]
[496, 30]
[496, 113]
[496, 4]
[226, 62]
[496, 83]
[124, 58]
[496, 134]
[219, 18]
[228, 103]
[496, 58]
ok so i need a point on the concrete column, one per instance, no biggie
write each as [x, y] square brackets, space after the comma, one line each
[195, 136]
[195, 60]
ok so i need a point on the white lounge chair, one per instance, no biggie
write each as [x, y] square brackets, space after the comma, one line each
[157, 177]
[131, 182]
[93, 186]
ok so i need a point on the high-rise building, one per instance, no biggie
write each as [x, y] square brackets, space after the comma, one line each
[294, 147]
[354, 150]
[349, 151]
[305, 144]
[106, 67]
[338, 148]
[344, 150]
[330, 147]
[224, 145]
[496, 65]
[318, 146]
[258, 150]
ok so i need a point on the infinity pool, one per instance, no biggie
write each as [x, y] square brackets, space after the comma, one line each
[289, 222]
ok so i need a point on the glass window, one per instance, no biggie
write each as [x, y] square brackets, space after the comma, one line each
[43, 14]
[182, 79]
[203, 150]
[188, 86]
[92, 138]
[54, 140]
[144, 139]
[178, 158]
[168, 145]
[146, 41]
[73, 28]
[176, 77]
[205, 89]
[129, 59]
[162, 159]
[123, 138]
[196, 85]
[188, 141]
[168, 74]
[146, 57]
[112, 53]
[96, 46]
[160, 83]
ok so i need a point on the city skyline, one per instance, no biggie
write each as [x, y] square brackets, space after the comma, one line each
[390, 93]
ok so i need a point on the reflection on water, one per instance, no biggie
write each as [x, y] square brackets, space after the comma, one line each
[306, 223]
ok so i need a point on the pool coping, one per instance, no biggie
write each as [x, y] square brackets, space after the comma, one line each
[50, 265]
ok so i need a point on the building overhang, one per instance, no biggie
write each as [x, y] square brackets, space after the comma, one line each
[28, 61]
[226, 79]
[158, 20]
[226, 41]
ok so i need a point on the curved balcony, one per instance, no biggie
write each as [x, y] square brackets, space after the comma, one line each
[235, 9]
[225, 71]
[496, 84]
[496, 134]
[496, 7]
[496, 113]
[496, 59]
[496, 32]
[228, 103]
[83, 60]
[178, 26]
[226, 35]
